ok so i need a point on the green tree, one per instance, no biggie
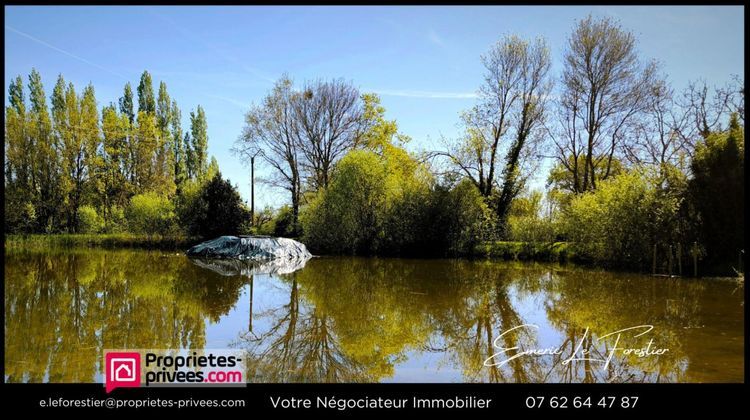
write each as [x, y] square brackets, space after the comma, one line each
[178, 147]
[73, 155]
[165, 157]
[94, 164]
[211, 170]
[130, 152]
[384, 200]
[146, 101]
[20, 213]
[114, 155]
[199, 142]
[46, 159]
[189, 156]
[217, 209]
[146, 142]
[366, 207]
[717, 192]
[163, 110]
[126, 103]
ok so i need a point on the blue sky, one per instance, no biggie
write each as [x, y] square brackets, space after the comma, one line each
[423, 61]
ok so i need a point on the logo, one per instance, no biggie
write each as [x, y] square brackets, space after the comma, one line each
[132, 368]
[122, 370]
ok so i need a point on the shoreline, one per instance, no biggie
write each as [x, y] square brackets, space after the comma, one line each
[530, 252]
[107, 241]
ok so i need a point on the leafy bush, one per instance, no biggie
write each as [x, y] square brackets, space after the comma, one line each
[150, 214]
[283, 224]
[526, 223]
[456, 220]
[116, 221]
[20, 216]
[348, 216]
[378, 204]
[89, 220]
[189, 207]
[513, 250]
[620, 221]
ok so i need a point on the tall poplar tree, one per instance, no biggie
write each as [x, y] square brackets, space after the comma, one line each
[113, 142]
[126, 103]
[164, 152]
[146, 102]
[73, 155]
[45, 158]
[93, 166]
[178, 148]
[19, 212]
[199, 138]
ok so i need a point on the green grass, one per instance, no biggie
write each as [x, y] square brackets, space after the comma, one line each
[114, 240]
[526, 251]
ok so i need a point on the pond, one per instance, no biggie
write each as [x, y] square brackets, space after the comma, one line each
[371, 320]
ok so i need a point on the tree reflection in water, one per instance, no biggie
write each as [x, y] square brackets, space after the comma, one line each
[365, 319]
[63, 309]
[377, 313]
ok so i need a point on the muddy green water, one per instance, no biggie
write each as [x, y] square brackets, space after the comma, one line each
[371, 320]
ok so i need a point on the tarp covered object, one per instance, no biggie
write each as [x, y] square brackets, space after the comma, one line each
[253, 248]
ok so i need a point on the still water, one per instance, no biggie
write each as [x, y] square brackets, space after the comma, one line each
[371, 320]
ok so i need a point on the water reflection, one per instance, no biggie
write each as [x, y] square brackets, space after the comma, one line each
[366, 320]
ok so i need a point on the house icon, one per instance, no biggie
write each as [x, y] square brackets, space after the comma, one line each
[124, 372]
[123, 369]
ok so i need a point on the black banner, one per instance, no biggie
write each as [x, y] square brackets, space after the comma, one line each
[490, 399]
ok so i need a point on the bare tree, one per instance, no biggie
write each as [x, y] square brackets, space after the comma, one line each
[505, 123]
[271, 128]
[604, 85]
[654, 134]
[706, 110]
[329, 121]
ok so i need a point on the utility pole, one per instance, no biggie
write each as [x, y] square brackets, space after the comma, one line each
[252, 186]
[252, 192]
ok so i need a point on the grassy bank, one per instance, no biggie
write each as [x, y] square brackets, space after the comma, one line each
[526, 251]
[115, 240]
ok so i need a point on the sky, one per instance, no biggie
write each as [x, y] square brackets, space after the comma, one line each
[424, 62]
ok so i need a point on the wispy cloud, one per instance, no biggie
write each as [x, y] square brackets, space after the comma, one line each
[232, 101]
[62, 51]
[436, 39]
[255, 72]
[425, 94]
